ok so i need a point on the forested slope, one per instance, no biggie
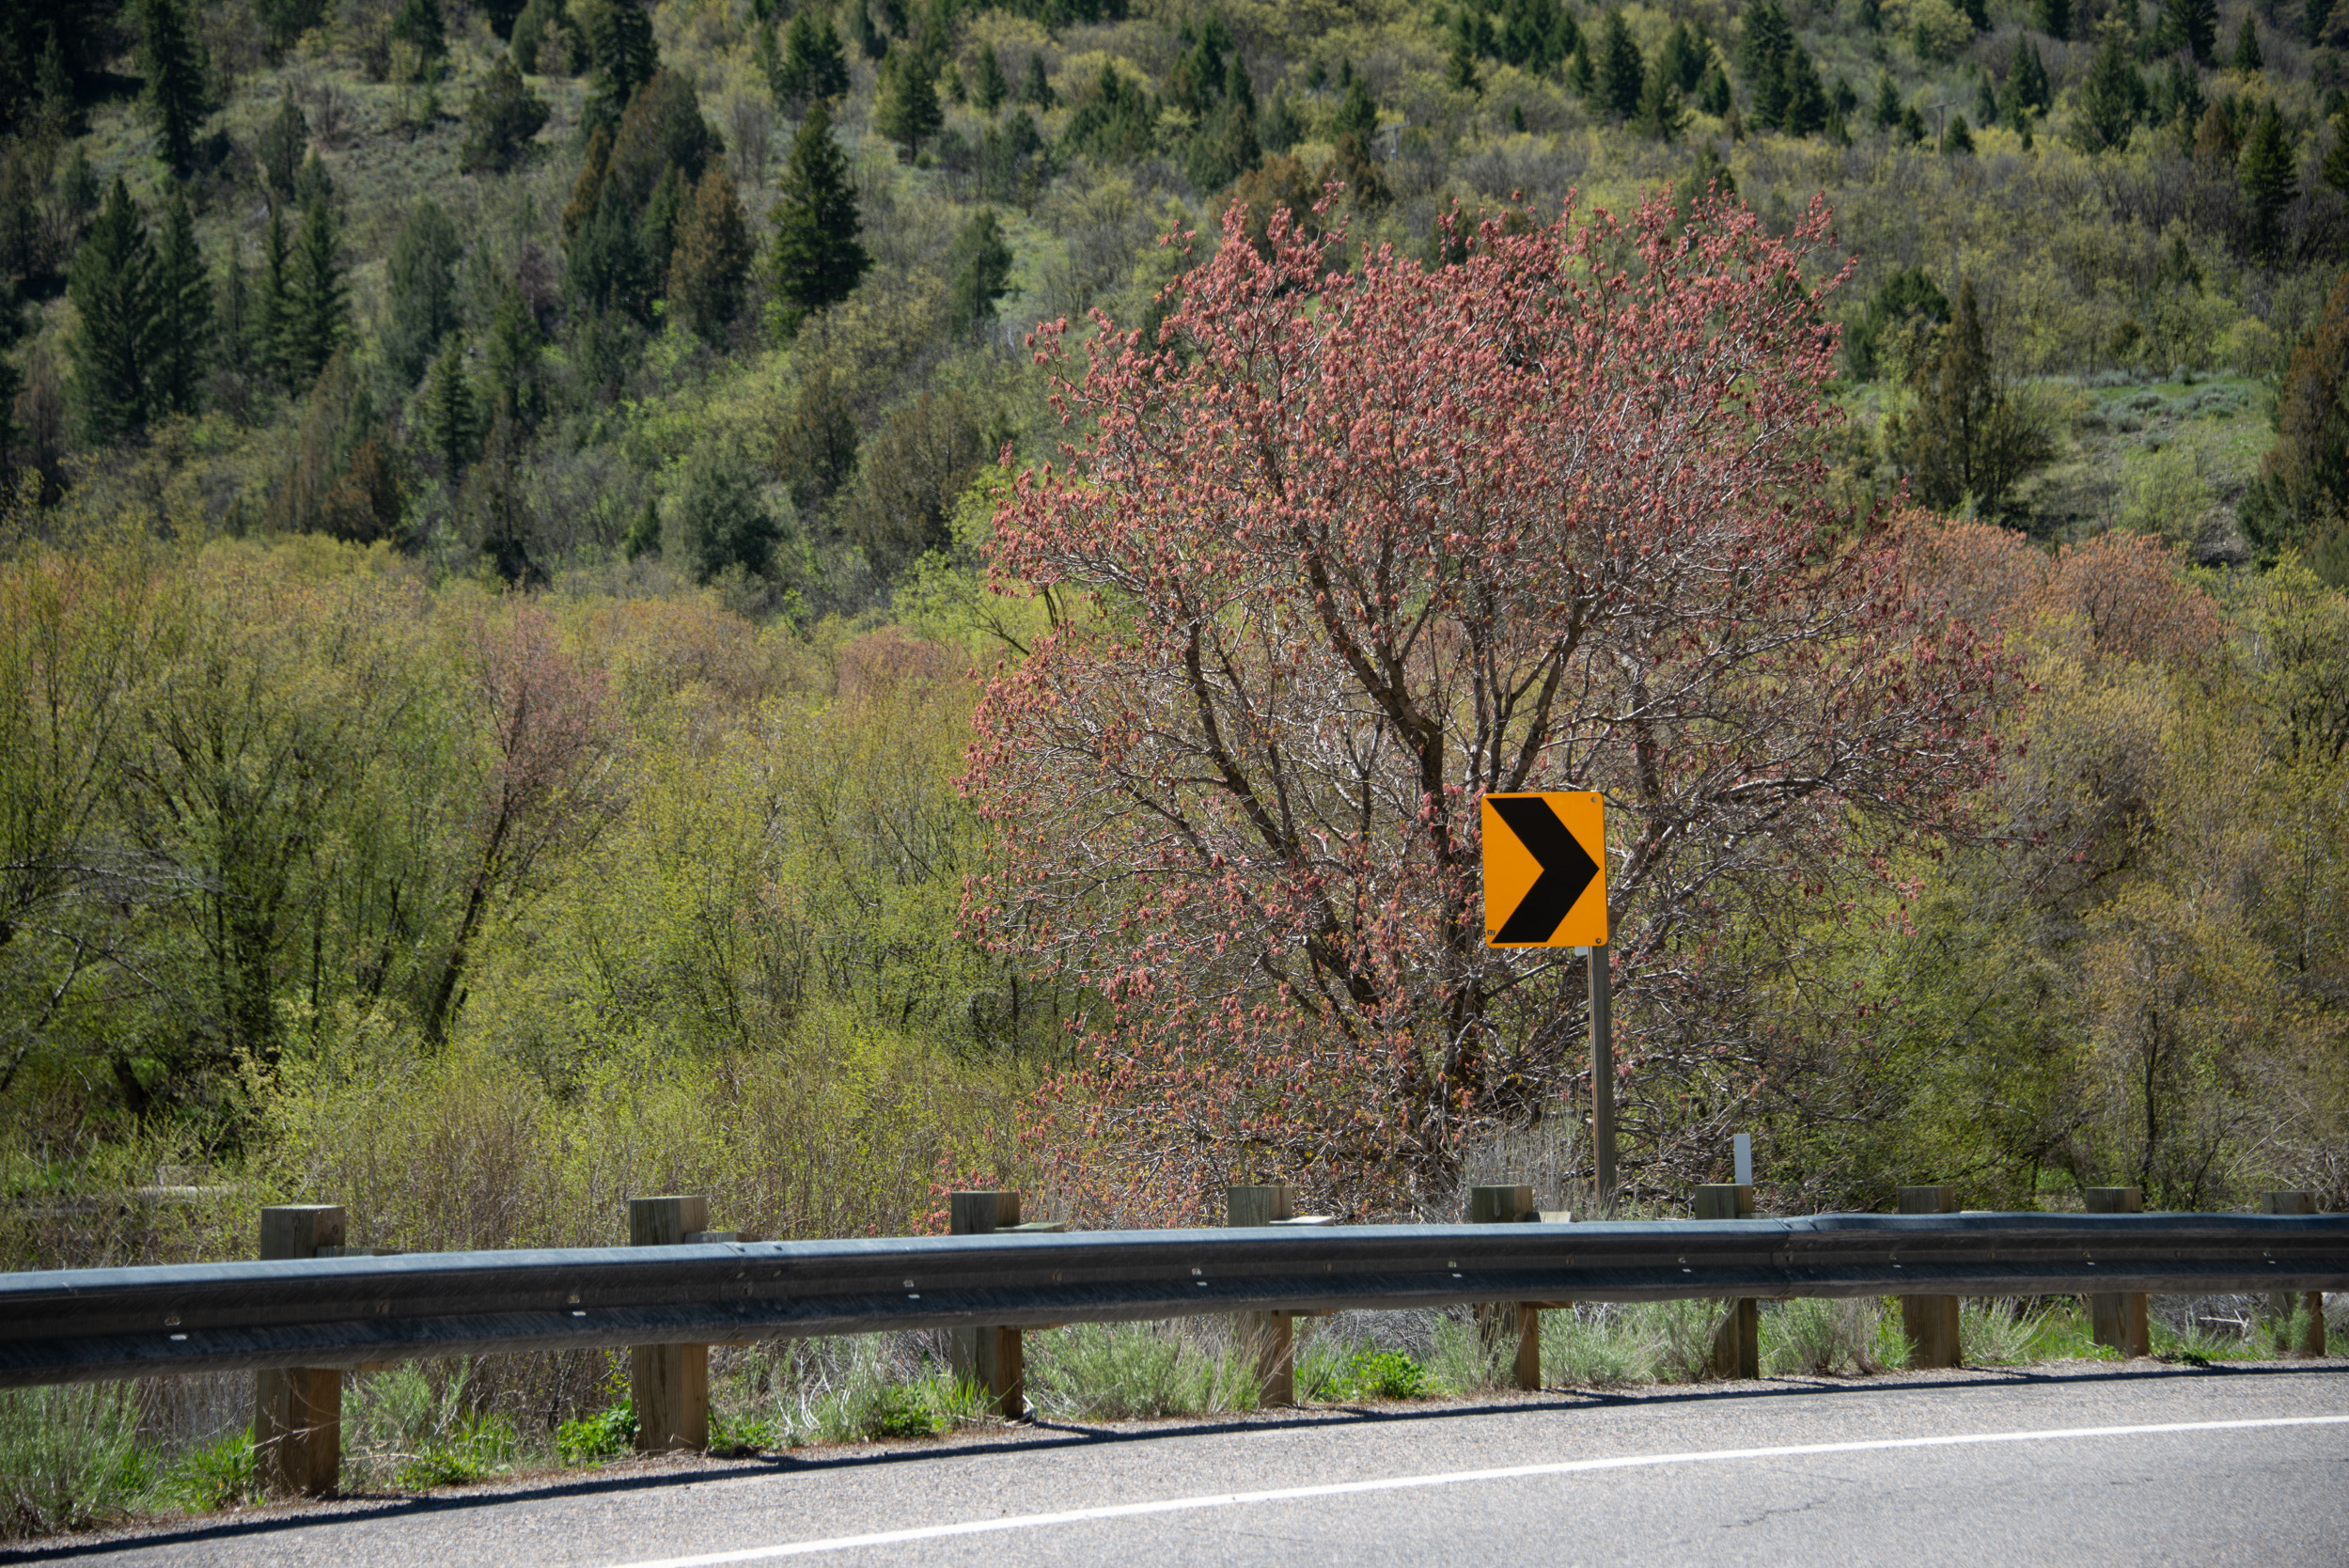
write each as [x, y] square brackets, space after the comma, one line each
[495, 574]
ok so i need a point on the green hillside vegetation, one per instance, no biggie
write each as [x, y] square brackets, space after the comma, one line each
[492, 594]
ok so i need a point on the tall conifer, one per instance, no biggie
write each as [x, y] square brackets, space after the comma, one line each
[817, 262]
[183, 313]
[174, 69]
[110, 284]
[316, 296]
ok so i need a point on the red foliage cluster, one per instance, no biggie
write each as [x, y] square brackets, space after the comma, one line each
[1343, 551]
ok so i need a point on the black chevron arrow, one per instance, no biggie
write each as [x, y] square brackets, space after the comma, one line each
[1566, 868]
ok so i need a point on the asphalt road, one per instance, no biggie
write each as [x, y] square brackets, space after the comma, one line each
[2081, 1465]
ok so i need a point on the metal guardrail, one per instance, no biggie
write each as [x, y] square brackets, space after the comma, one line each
[82, 1325]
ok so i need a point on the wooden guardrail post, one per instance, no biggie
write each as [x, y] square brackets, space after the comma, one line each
[2117, 1317]
[1497, 1321]
[297, 1411]
[991, 1358]
[2281, 1303]
[1737, 1343]
[1931, 1322]
[668, 1386]
[1269, 1337]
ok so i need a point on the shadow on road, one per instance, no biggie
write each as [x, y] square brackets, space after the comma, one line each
[1045, 1435]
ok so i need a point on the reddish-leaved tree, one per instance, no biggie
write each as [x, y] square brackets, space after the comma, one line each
[1342, 551]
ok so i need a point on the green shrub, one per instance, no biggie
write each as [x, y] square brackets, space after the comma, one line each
[602, 1435]
[214, 1474]
[1117, 1371]
[1384, 1374]
[70, 1458]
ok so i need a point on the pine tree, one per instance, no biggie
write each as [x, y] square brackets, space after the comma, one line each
[980, 267]
[992, 87]
[451, 419]
[816, 260]
[656, 236]
[417, 23]
[605, 269]
[1622, 73]
[713, 260]
[183, 314]
[511, 363]
[1036, 88]
[110, 284]
[2270, 176]
[234, 316]
[586, 192]
[1887, 110]
[620, 44]
[2191, 26]
[2334, 169]
[1964, 438]
[2303, 482]
[2052, 18]
[1806, 110]
[2027, 87]
[814, 68]
[420, 285]
[174, 69]
[274, 305]
[1958, 138]
[317, 304]
[500, 120]
[1661, 115]
[2107, 101]
[905, 105]
[281, 147]
[2247, 56]
[722, 523]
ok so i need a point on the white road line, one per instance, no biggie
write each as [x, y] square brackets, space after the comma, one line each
[1449, 1477]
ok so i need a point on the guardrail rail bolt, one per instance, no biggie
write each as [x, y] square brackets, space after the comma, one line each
[668, 1386]
[991, 1358]
[1931, 1322]
[1498, 1321]
[1269, 1337]
[297, 1411]
[2117, 1317]
[1737, 1343]
[2281, 1303]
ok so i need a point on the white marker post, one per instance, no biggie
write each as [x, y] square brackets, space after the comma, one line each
[1743, 1143]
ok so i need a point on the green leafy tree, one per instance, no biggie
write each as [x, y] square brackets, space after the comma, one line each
[183, 313]
[284, 21]
[173, 65]
[526, 46]
[500, 120]
[722, 521]
[451, 418]
[815, 261]
[623, 58]
[979, 265]
[2052, 18]
[1965, 439]
[814, 68]
[1225, 145]
[2269, 173]
[110, 284]
[420, 285]
[1115, 122]
[905, 104]
[317, 295]
[1900, 319]
[656, 236]
[1357, 114]
[713, 258]
[280, 148]
[2301, 492]
[991, 86]
[2107, 102]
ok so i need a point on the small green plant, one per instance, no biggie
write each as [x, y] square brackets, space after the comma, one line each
[1384, 1374]
[606, 1434]
[477, 1450]
[904, 1410]
[214, 1475]
[1822, 1338]
[70, 1458]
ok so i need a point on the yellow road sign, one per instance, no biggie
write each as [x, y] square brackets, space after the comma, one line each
[1545, 869]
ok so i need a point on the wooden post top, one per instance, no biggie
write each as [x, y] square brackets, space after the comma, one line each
[2115, 1201]
[977, 1214]
[1941, 1199]
[1259, 1205]
[1725, 1201]
[2291, 1202]
[666, 1221]
[1503, 1205]
[299, 1230]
